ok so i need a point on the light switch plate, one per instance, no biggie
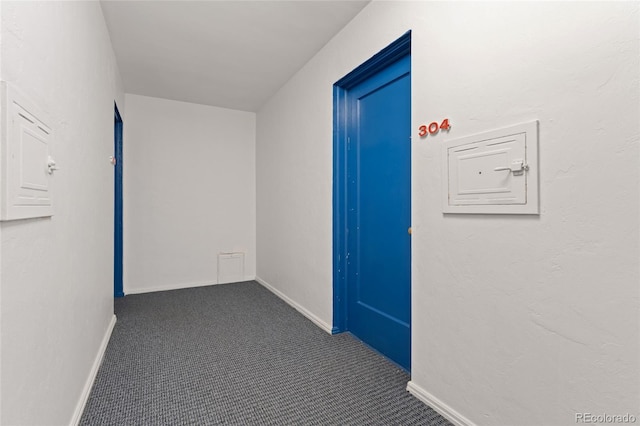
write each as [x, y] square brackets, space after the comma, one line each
[494, 172]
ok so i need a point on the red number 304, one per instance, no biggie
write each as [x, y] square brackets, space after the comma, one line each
[433, 128]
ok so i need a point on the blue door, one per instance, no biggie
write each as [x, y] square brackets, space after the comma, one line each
[378, 201]
[117, 225]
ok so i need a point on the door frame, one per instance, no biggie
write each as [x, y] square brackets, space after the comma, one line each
[118, 290]
[379, 61]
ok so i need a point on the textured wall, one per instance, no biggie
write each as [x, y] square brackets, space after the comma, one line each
[57, 273]
[516, 320]
[189, 192]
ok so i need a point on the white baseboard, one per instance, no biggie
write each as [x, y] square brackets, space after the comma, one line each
[178, 286]
[84, 396]
[317, 321]
[167, 287]
[443, 409]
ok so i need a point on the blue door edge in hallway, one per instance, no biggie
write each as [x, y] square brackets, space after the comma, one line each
[391, 54]
[117, 205]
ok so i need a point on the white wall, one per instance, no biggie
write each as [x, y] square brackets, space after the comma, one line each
[516, 320]
[189, 192]
[57, 273]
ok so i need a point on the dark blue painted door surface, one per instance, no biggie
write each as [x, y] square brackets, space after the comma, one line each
[379, 211]
[117, 225]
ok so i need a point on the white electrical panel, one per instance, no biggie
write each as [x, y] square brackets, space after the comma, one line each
[26, 163]
[494, 172]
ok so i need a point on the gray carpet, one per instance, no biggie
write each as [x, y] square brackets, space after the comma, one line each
[236, 354]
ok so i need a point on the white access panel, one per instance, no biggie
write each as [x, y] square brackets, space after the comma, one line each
[26, 164]
[230, 267]
[494, 172]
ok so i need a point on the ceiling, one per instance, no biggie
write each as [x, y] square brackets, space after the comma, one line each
[231, 54]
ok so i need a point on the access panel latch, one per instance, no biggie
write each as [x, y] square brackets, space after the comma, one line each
[517, 168]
